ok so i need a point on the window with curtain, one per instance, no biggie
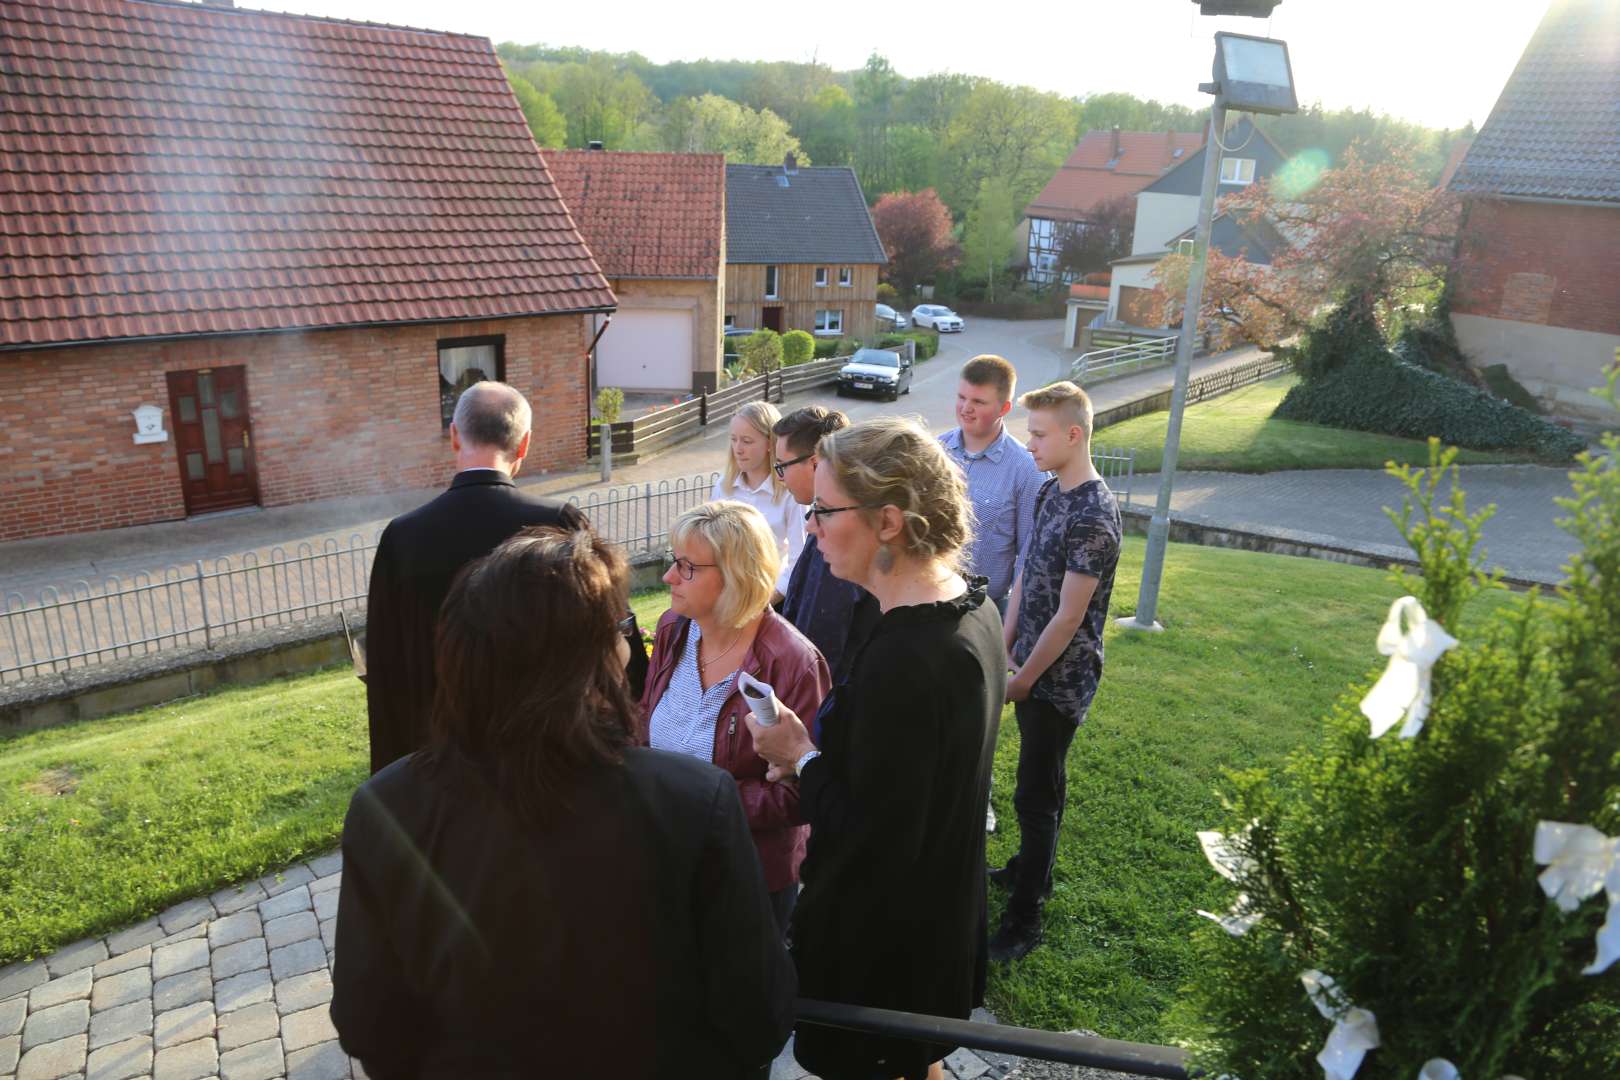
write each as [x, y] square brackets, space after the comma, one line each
[464, 361]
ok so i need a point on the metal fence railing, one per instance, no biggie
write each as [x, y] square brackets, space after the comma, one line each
[199, 605]
[1106, 363]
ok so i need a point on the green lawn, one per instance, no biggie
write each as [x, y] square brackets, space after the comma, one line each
[1235, 433]
[178, 800]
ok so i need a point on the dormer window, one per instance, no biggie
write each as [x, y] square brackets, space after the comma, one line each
[1237, 170]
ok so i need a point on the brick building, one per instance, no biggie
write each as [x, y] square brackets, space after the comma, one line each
[656, 224]
[293, 239]
[1537, 285]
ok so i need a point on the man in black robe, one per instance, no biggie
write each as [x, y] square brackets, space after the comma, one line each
[421, 551]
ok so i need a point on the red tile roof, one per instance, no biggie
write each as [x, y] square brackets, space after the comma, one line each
[1095, 173]
[646, 215]
[172, 169]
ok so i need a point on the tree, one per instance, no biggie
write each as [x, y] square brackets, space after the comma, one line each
[827, 130]
[546, 123]
[1092, 245]
[989, 240]
[1013, 133]
[915, 229]
[712, 124]
[1365, 236]
[600, 102]
[877, 88]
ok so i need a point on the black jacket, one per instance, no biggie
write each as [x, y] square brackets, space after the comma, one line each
[632, 937]
[417, 558]
[893, 909]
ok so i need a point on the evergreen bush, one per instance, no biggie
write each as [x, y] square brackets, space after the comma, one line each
[927, 342]
[761, 351]
[1406, 868]
[798, 347]
[1501, 383]
[1379, 393]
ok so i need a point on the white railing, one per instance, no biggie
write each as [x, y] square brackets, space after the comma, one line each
[1106, 363]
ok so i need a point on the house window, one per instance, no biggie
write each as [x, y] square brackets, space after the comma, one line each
[830, 321]
[770, 283]
[846, 276]
[1186, 247]
[821, 277]
[464, 361]
[1237, 170]
[731, 320]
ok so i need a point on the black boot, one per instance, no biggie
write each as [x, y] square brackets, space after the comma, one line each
[1005, 877]
[1015, 938]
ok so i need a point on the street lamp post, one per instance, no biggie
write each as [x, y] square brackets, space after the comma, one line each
[1252, 75]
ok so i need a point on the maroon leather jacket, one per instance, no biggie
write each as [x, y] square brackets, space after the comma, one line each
[784, 658]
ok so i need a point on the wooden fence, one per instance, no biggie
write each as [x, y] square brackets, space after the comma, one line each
[659, 429]
[1205, 386]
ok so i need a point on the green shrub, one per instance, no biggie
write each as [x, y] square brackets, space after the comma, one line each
[609, 403]
[798, 347]
[927, 342]
[886, 293]
[1505, 386]
[844, 346]
[1404, 867]
[1378, 393]
[761, 351]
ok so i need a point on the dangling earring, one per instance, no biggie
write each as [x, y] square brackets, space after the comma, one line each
[884, 560]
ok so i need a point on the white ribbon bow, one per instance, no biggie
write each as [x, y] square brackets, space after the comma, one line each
[1404, 686]
[1580, 862]
[1355, 1031]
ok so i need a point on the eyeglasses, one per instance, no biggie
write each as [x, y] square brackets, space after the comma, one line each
[782, 467]
[686, 567]
[627, 624]
[819, 512]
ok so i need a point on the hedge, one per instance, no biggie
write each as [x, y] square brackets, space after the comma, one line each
[927, 342]
[1390, 397]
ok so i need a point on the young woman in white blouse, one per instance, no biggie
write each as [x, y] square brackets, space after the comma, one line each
[750, 477]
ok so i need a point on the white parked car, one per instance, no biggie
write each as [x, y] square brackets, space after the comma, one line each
[894, 320]
[938, 316]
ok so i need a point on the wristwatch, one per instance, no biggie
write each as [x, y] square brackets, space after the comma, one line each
[809, 756]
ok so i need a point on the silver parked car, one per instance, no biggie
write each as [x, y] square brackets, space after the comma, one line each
[937, 316]
[890, 318]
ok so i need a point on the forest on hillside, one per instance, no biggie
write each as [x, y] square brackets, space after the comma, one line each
[951, 132]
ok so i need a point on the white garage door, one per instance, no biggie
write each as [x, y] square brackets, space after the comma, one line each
[646, 350]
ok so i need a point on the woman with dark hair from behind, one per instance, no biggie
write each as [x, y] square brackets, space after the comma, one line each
[535, 894]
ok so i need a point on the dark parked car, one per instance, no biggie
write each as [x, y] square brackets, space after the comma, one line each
[875, 371]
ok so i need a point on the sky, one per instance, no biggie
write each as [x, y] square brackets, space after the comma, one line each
[1437, 62]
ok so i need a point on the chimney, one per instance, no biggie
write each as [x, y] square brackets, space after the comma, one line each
[790, 164]
[594, 144]
[1113, 145]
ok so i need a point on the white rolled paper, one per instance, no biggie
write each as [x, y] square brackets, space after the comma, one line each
[760, 697]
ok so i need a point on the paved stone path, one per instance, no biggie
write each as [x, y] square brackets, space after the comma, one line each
[233, 985]
[1344, 507]
[236, 986]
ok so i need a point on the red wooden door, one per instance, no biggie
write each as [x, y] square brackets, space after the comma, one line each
[214, 437]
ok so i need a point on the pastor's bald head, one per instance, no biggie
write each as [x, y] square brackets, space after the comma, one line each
[492, 416]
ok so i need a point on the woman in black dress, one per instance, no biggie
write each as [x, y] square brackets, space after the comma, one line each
[893, 909]
[534, 895]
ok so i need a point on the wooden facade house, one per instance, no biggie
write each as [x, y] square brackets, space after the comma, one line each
[801, 251]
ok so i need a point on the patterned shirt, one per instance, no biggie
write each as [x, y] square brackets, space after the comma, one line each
[1075, 531]
[685, 717]
[1002, 481]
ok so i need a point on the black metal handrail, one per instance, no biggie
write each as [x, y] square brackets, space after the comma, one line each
[1137, 1059]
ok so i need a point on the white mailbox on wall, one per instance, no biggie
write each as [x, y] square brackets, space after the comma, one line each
[149, 425]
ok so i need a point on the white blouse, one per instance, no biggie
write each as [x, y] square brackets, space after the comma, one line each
[782, 514]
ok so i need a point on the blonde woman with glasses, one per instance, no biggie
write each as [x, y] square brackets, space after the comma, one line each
[893, 909]
[720, 624]
[751, 477]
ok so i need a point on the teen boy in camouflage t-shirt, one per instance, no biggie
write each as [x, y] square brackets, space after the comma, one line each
[1054, 641]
